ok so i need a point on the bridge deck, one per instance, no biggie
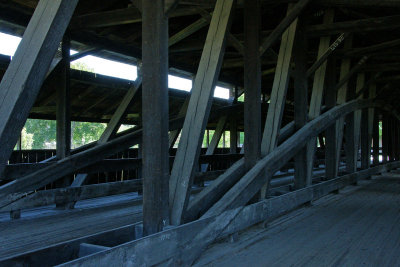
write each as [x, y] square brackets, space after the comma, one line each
[359, 226]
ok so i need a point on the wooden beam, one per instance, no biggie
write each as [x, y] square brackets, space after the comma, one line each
[385, 138]
[24, 76]
[120, 17]
[285, 23]
[317, 93]
[342, 97]
[63, 115]
[278, 94]
[331, 153]
[212, 193]
[155, 135]
[169, 6]
[254, 179]
[372, 24]
[198, 110]
[233, 134]
[300, 103]
[187, 31]
[327, 53]
[252, 83]
[376, 138]
[90, 51]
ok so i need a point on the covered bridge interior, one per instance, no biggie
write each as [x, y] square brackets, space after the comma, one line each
[312, 116]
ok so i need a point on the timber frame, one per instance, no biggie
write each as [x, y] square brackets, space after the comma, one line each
[319, 80]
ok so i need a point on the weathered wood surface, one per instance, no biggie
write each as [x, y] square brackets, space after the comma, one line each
[29, 234]
[175, 246]
[155, 148]
[356, 210]
[71, 194]
[198, 111]
[300, 102]
[24, 76]
[252, 83]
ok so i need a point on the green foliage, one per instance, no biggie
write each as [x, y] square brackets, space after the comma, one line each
[26, 139]
[241, 98]
[41, 134]
[85, 132]
[77, 65]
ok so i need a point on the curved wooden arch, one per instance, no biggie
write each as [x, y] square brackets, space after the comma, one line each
[241, 192]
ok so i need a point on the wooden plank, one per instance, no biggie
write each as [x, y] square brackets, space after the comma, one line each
[300, 103]
[281, 28]
[155, 135]
[198, 110]
[24, 76]
[357, 119]
[317, 93]
[252, 83]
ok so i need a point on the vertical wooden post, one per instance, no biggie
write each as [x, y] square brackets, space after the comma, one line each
[331, 152]
[317, 93]
[25, 74]
[342, 97]
[233, 134]
[186, 160]
[252, 83]
[391, 139]
[63, 137]
[300, 103]
[375, 138]
[155, 161]
[385, 137]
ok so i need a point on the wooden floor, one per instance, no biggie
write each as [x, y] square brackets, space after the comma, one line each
[358, 227]
[42, 227]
